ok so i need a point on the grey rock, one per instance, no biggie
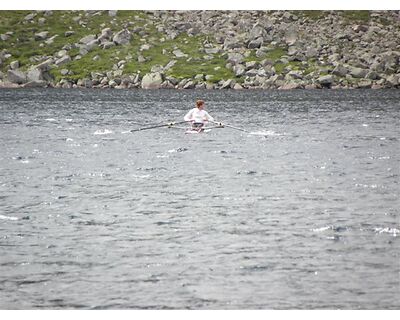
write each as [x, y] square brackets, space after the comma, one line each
[325, 80]
[311, 52]
[290, 86]
[235, 58]
[144, 47]
[152, 81]
[211, 50]
[69, 33]
[291, 37]
[372, 75]
[34, 75]
[257, 32]
[237, 86]
[107, 33]
[87, 39]
[112, 13]
[82, 52]
[108, 45]
[295, 74]
[4, 37]
[51, 40]
[239, 70]
[254, 44]
[157, 68]
[364, 84]
[228, 84]
[35, 84]
[360, 28]
[122, 37]
[189, 85]
[16, 76]
[251, 72]
[293, 50]
[172, 80]
[14, 65]
[87, 83]
[358, 72]
[201, 86]
[63, 60]
[91, 45]
[61, 53]
[340, 71]
[112, 83]
[64, 72]
[251, 65]
[393, 80]
[42, 21]
[179, 54]
[41, 35]
[141, 59]
[232, 43]
[45, 65]
[30, 17]
[169, 65]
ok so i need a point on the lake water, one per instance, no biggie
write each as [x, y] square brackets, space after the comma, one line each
[301, 213]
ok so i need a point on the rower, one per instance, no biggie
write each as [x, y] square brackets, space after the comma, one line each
[198, 116]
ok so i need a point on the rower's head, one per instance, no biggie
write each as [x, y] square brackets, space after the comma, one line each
[200, 104]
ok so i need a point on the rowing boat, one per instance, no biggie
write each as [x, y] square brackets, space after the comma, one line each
[189, 130]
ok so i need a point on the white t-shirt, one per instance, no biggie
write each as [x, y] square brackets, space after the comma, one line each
[197, 115]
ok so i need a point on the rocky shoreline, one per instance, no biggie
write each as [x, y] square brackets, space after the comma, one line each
[234, 49]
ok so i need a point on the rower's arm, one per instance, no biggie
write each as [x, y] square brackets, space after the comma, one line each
[209, 118]
[188, 116]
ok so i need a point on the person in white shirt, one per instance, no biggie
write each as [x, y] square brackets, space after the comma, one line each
[198, 116]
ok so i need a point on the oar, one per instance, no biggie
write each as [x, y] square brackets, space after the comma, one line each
[220, 124]
[169, 124]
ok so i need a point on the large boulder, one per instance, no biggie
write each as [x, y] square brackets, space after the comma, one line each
[63, 60]
[235, 58]
[232, 43]
[311, 52]
[45, 65]
[91, 44]
[256, 43]
[393, 80]
[16, 76]
[122, 37]
[152, 81]
[228, 84]
[239, 70]
[14, 65]
[41, 35]
[105, 36]
[34, 75]
[256, 32]
[326, 80]
[340, 71]
[87, 39]
[358, 72]
[179, 54]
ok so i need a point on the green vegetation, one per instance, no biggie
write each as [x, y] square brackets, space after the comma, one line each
[356, 16]
[24, 47]
[311, 14]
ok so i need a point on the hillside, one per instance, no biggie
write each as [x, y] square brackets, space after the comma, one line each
[200, 49]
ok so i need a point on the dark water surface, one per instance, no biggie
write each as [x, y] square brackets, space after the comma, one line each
[303, 213]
